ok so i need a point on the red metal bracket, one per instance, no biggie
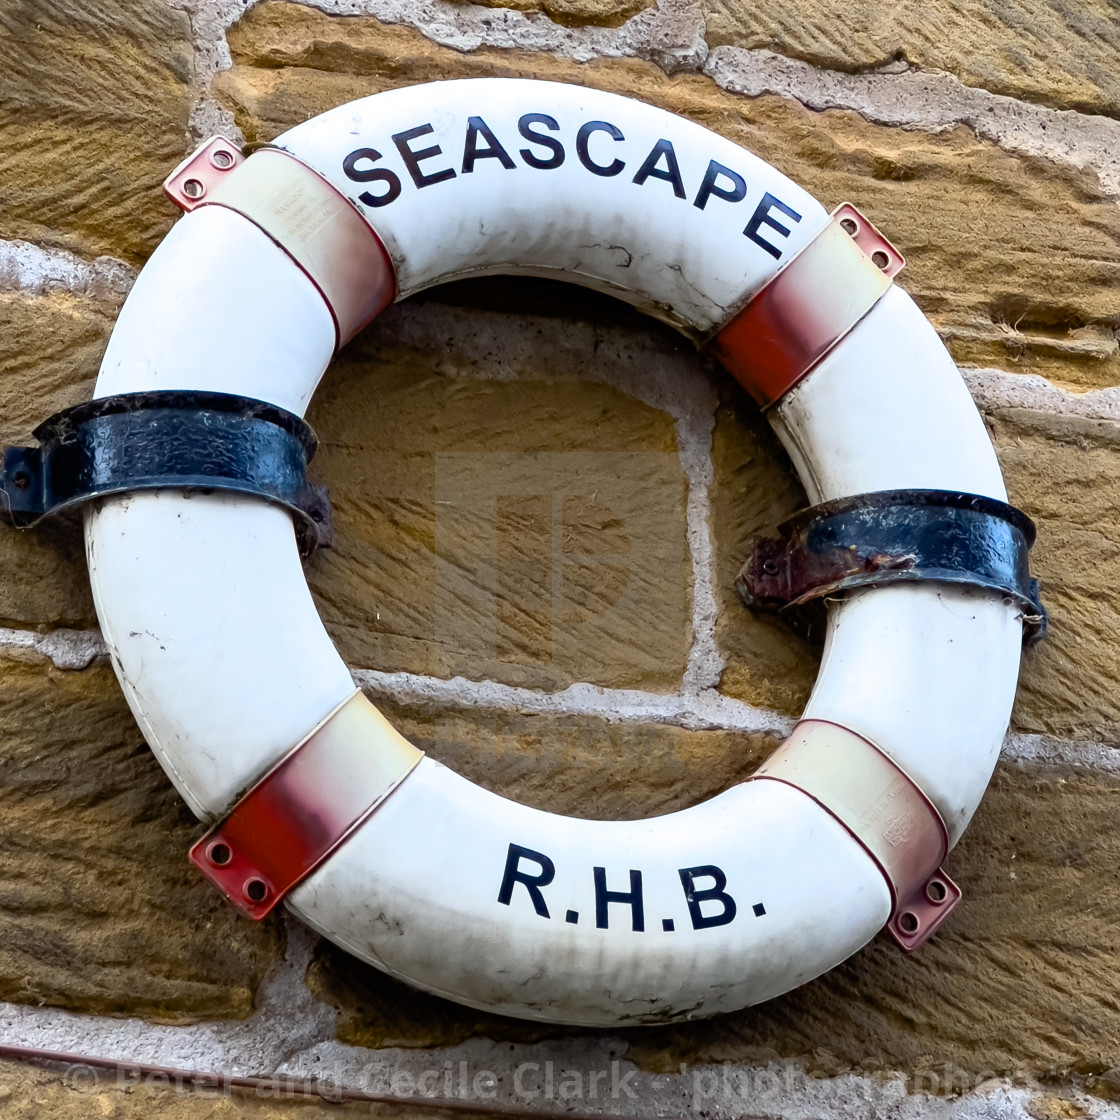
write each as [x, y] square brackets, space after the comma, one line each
[305, 807]
[882, 808]
[193, 181]
[804, 310]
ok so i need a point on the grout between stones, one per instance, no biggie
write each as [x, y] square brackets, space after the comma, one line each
[66, 649]
[28, 268]
[704, 709]
[993, 389]
[293, 1036]
[695, 710]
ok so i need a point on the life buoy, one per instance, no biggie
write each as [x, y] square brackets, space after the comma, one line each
[253, 714]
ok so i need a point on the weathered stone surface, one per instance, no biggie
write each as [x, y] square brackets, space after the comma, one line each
[1019, 982]
[99, 909]
[754, 489]
[1065, 472]
[574, 13]
[516, 530]
[1016, 260]
[1056, 52]
[93, 115]
[49, 352]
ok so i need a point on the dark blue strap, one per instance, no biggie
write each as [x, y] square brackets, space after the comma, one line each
[894, 536]
[168, 439]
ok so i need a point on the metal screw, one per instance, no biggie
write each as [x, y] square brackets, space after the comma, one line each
[221, 159]
[849, 226]
[193, 188]
[770, 567]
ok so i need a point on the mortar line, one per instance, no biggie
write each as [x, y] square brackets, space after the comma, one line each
[722, 1091]
[993, 388]
[932, 101]
[704, 709]
[694, 443]
[29, 268]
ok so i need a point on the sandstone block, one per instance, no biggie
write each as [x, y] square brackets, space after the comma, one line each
[49, 353]
[1064, 472]
[1048, 51]
[93, 114]
[99, 909]
[529, 531]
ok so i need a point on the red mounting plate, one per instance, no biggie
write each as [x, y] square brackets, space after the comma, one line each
[190, 184]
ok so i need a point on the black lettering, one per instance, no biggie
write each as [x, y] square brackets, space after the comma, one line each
[671, 172]
[633, 898]
[372, 175]
[761, 217]
[581, 148]
[477, 127]
[735, 193]
[532, 883]
[694, 898]
[412, 160]
[549, 142]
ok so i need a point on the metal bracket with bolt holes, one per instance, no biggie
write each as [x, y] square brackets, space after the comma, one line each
[305, 807]
[881, 807]
[319, 228]
[808, 307]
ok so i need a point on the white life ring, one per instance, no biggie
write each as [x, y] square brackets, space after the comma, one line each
[227, 667]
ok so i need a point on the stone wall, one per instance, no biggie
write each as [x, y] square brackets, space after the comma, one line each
[612, 671]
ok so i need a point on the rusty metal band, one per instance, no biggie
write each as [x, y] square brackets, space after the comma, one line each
[807, 308]
[305, 807]
[312, 222]
[883, 808]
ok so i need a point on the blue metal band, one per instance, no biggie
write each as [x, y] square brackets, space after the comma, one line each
[894, 536]
[170, 439]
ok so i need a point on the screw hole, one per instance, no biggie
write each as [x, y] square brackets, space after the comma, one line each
[936, 891]
[880, 259]
[256, 890]
[21, 480]
[193, 188]
[220, 855]
[221, 159]
[849, 226]
[908, 922]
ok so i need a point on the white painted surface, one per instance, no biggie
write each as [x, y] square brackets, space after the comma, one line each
[688, 265]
